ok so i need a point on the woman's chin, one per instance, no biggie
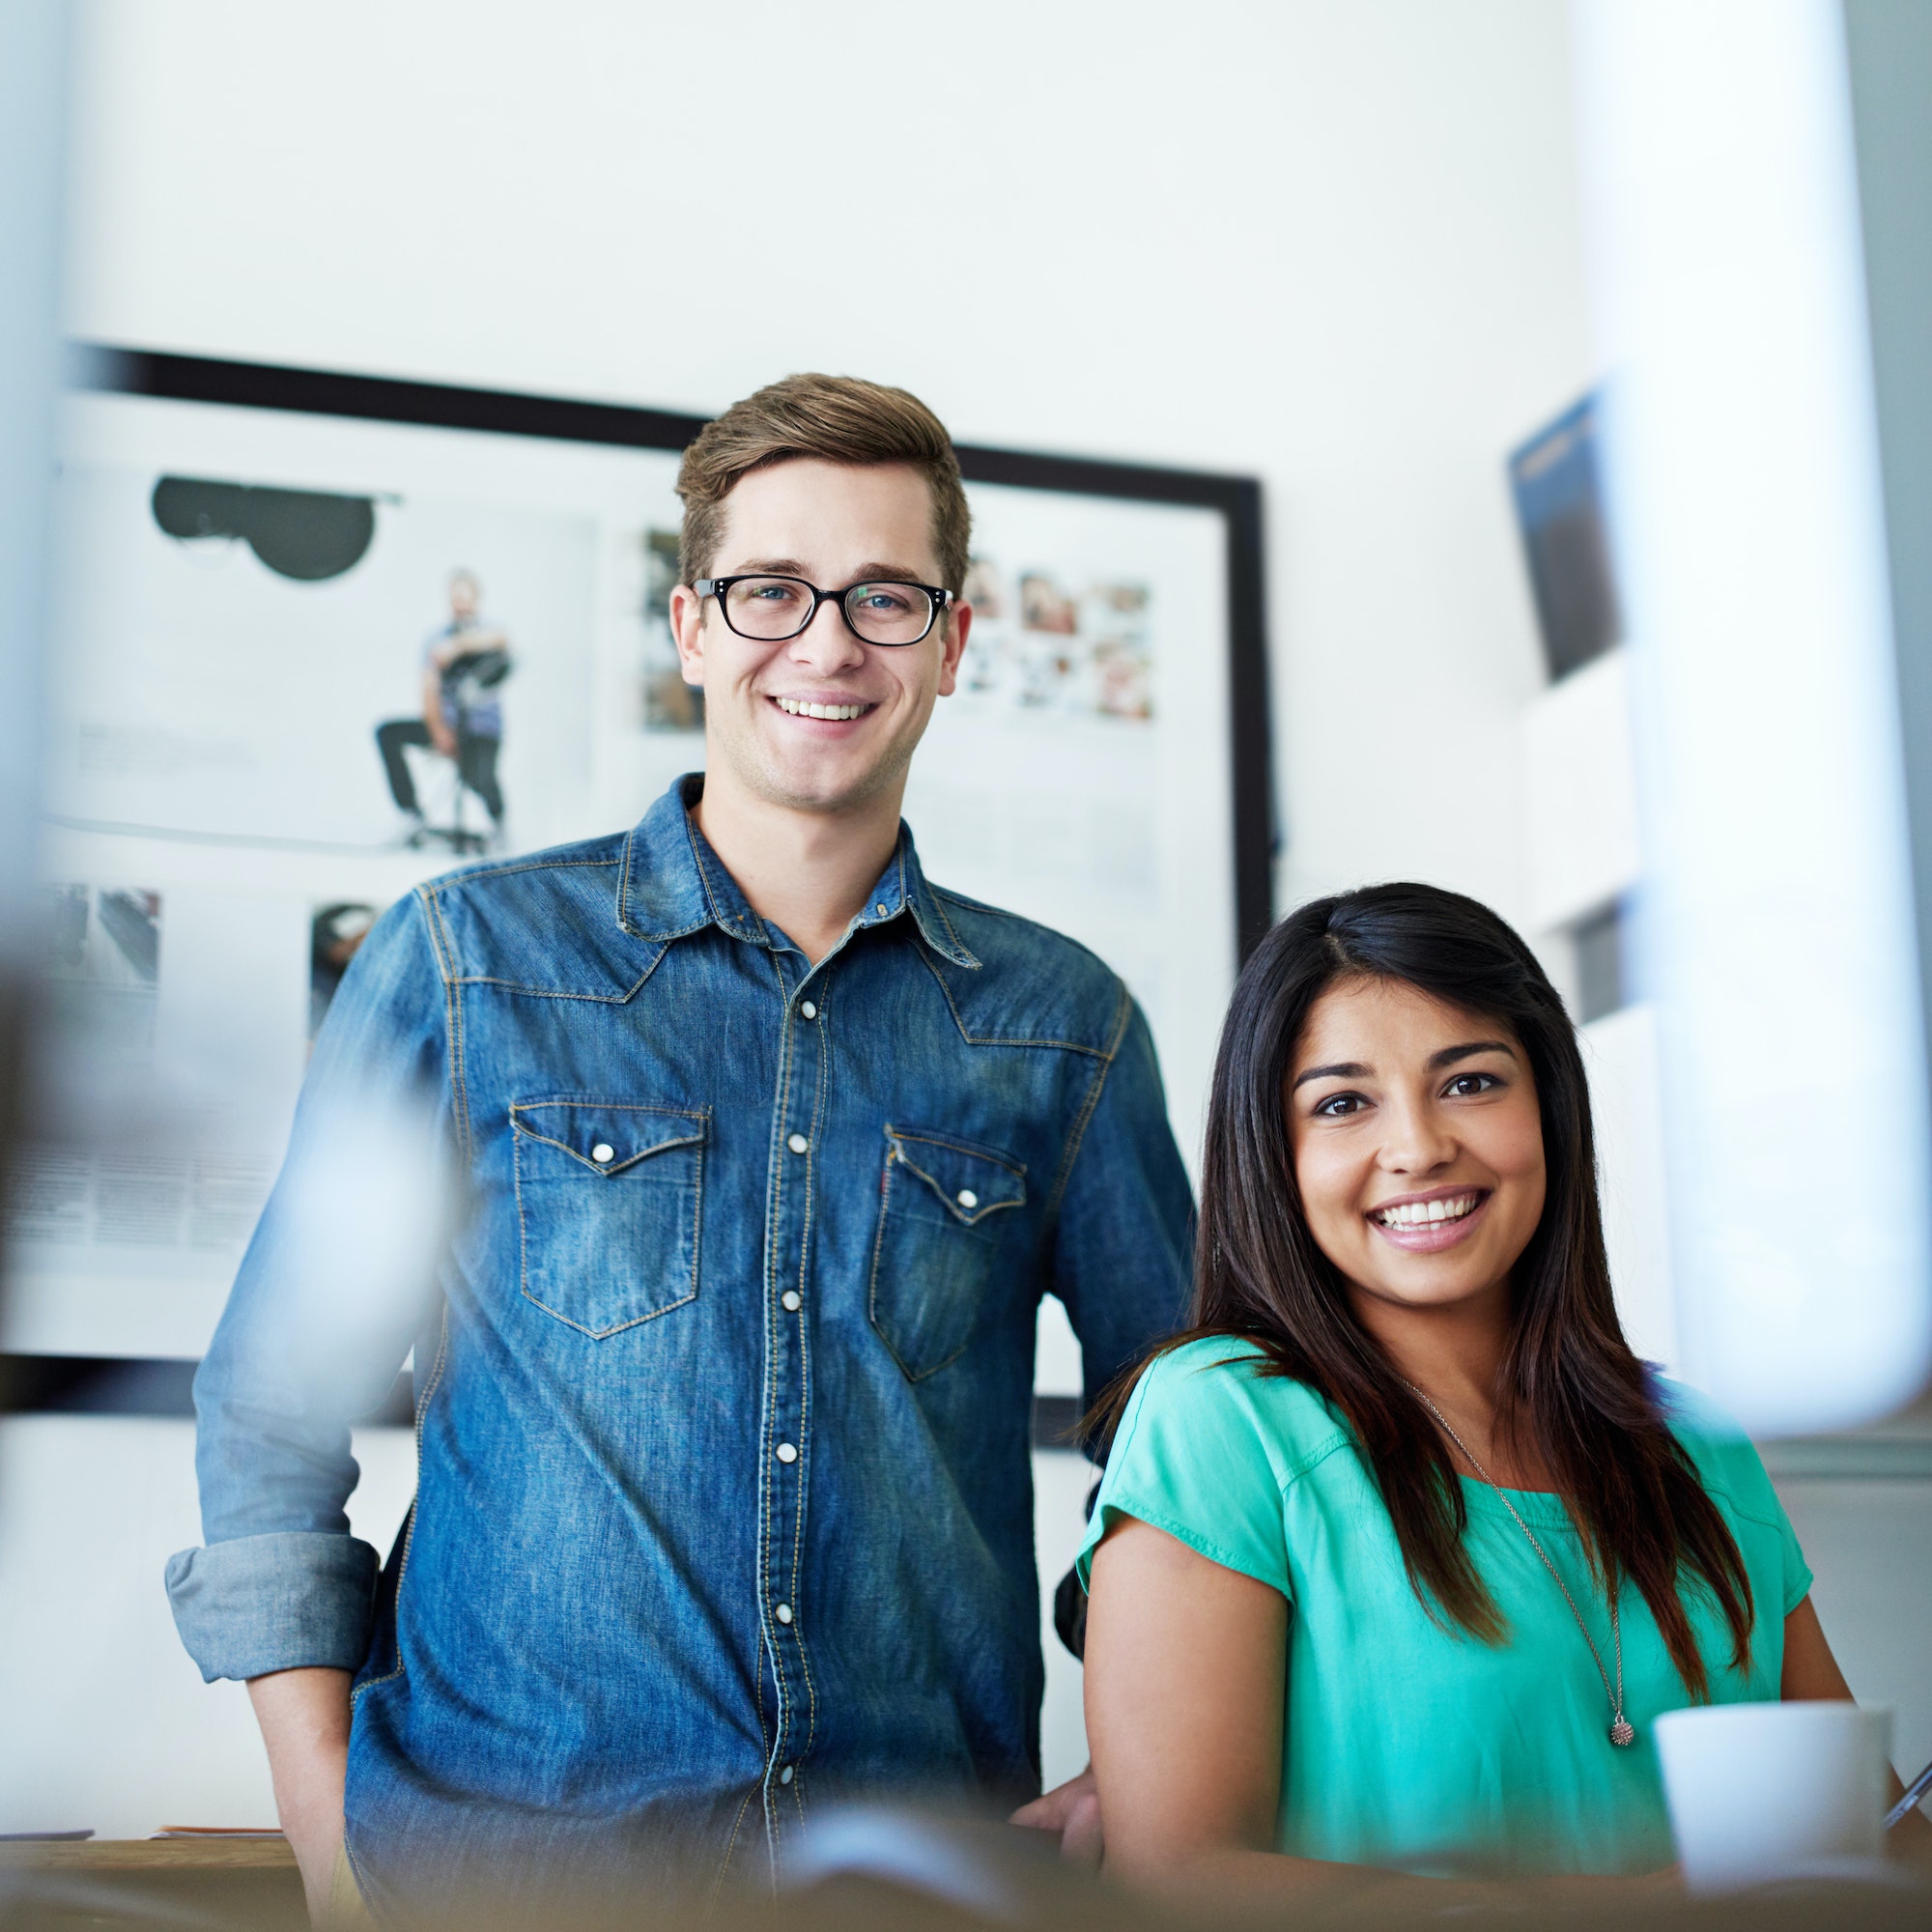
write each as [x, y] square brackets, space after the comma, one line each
[1428, 1281]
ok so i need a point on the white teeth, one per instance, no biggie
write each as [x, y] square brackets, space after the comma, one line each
[1426, 1213]
[799, 709]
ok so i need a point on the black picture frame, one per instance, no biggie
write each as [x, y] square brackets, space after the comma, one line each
[120, 1386]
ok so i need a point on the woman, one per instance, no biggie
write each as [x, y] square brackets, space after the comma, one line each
[1400, 1550]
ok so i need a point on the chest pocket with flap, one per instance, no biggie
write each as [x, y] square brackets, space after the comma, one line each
[611, 1204]
[933, 1258]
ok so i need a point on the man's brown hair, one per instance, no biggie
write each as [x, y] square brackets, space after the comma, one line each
[838, 419]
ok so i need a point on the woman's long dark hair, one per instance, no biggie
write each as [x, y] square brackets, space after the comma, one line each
[1569, 1385]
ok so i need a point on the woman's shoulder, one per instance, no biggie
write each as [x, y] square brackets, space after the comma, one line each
[1220, 1392]
[1725, 1458]
[1212, 1441]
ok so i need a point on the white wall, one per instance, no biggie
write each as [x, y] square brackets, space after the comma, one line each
[1329, 243]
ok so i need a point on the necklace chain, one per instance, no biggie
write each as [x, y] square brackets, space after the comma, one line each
[1622, 1730]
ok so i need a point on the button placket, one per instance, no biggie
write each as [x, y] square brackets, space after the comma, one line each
[801, 1101]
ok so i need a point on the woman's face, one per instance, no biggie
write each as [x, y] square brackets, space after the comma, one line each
[1417, 1144]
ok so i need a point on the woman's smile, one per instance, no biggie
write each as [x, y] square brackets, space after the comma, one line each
[1426, 1224]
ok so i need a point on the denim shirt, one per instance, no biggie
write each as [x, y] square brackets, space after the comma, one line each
[724, 1495]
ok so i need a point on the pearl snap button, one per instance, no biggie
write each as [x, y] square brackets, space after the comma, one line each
[790, 1301]
[806, 1011]
[603, 1153]
[788, 1453]
[783, 1613]
[880, 910]
[784, 1777]
[966, 1198]
[797, 1143]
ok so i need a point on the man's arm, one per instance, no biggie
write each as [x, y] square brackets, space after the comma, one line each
[1124, 1238]
[1124, 1255]
[338, 1279]
[304, 1720]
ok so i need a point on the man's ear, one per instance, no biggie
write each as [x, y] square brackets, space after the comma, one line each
[959, 621]
[687, 629]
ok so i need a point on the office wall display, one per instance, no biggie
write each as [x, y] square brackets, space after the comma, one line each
[1556, 479]
[273, 584]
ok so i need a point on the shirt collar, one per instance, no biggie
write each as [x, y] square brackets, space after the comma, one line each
[672, 883]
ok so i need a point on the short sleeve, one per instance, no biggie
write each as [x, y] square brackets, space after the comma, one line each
[1734, 1474]
[1195, 1456]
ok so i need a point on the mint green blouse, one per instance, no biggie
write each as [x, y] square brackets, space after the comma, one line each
[1406, 1745]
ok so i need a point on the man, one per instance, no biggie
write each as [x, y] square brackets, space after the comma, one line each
[463, 662]
[770, 1148]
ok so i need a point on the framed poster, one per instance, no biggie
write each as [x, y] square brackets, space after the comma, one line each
[269, 579]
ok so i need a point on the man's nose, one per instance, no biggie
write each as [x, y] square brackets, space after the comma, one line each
[826, 645]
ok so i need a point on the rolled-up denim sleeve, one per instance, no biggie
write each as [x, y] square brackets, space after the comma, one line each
[317, 1326]
[1123, 1245]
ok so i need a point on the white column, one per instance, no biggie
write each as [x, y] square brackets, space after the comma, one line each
[1775, 926]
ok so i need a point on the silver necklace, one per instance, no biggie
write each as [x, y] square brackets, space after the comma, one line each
[1622, 1730]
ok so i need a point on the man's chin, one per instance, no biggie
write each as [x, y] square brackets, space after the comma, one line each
[824, 786]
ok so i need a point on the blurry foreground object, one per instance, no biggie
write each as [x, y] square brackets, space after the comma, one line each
[876, 1870]
[1762, 1792]
[1777, 930]
[33, 96]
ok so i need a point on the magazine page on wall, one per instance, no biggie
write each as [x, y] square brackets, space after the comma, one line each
[305, 659]
[1078, 776]
[301, 663]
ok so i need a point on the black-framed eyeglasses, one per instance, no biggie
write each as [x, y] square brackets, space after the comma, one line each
[880, 611]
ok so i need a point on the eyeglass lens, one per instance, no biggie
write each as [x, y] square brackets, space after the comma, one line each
[780, 606]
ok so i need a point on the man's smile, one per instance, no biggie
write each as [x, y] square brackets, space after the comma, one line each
[839, 711]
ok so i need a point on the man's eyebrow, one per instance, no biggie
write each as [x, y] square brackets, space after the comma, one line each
[789, 566]
[1449, 1055]
[1343, 1069]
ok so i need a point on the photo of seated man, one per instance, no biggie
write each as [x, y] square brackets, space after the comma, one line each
[463, 661]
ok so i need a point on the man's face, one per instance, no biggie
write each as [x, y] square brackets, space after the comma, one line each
[833, 524]
[462, 598]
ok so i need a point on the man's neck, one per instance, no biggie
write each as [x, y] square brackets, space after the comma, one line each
[808, 872]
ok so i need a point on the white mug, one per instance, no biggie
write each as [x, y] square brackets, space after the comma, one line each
[1760, 1792]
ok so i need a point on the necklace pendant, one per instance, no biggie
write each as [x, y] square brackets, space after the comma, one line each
[1622, 1732]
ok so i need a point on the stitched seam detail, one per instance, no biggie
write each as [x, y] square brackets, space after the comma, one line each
[518, 1137]
[452, 1007]
[701, 1115]
[617, 999]
[952, 931]
[1016, 1167]
[730, 1847]
[624, 883]
[974, 1039]
[718, 915]
[970, 1217]
[1122, 1013]
[409, 1538]
[451, 881]
[615, 1167]
[774, 1194]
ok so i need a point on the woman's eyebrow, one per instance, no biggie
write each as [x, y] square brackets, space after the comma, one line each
[1343, 1069]
[1449, 1055]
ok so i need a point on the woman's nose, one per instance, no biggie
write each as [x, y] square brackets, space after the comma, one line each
[1416, 1141]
